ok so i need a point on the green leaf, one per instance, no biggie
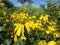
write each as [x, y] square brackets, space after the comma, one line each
[1, 28]
[7, 42]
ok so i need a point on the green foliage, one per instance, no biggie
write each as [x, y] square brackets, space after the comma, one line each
[1, 29]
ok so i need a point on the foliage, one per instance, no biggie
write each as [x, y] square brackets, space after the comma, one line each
[29, 25]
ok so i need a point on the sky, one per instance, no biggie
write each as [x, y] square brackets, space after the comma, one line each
[36, 2]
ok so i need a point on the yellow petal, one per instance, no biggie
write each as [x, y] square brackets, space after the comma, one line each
[23, 37]
[51, 43]
[22, 30]
[15, 38]
[42, 42]
[19, 30]
[16, 28]
[27, 28]
[32, 25]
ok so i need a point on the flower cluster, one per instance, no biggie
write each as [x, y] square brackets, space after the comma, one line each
[43, 23]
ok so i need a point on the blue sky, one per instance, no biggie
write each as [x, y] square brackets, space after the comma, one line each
[39, 2]
[36, 2]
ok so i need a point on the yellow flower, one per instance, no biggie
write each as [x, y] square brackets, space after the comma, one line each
[48, 32]
[4, 12]
[32, 25]
[45, 18]
[30, 17]
[38, 21]
[23, 15]
[51, 43]
[18, 31]
[1, 4]
[7, 20]
[29, 25]
[51, 28]
[42, 42]
[4, 25]
[38, 26]
[34, 17]
[56, 34]
[47, 15]
[14, 15]
[41, 17]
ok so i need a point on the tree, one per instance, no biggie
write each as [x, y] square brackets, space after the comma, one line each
[58, 4]
[23, 1]
[52, 9]
[7, 3]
